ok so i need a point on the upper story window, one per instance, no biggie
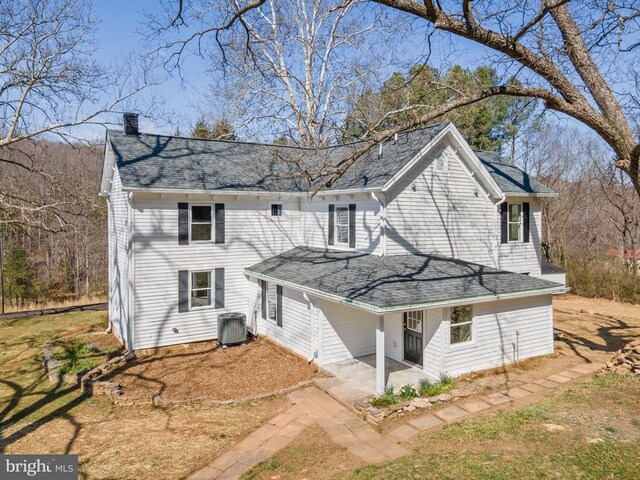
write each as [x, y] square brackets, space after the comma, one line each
[461, 324]
[276, 209]
[515, 222]
[200, 289]
[201, 223]
[342, 225]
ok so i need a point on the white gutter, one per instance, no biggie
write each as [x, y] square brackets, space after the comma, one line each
[413, 306]
[248, 193]
[312, 318]
[380, 198]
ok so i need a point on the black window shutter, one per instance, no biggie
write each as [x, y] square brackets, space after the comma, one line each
[504, 222]
[525, 222]
[332, 219]
[352, 225]
[183, 223]
[183, 291]
[279, 305]
[219, 219]
[263, 297]
[219, 288]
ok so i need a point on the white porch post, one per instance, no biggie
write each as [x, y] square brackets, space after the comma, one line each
[380, 374]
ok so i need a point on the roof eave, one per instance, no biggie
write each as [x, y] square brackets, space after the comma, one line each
[248, 193]
[412, 306]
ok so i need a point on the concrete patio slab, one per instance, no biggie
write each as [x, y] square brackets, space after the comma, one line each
[532, 387]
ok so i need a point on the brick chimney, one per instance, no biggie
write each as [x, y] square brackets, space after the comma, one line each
[130, 121]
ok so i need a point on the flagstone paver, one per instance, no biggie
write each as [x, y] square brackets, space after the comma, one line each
[451, 414]
[426, 422]
[558, 378]
[532, 387]
[403, 432]
[543, 382]
[473, 406]
[497, 398]
[312, 405]
[587, 368]
[517, 392]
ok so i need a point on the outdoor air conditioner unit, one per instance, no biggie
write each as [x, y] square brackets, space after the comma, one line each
[232, 328]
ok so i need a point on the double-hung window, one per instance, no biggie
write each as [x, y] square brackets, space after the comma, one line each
[461, 324]
[201, 223]
[342, 225]
[515, 222]
[200, 289]
[272, 301]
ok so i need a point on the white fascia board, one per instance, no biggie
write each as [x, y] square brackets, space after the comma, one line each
[247, 193]
[489, 184]
[531, 195]
[401, 308]
[409, 165]
[479, 166]
[108, 166]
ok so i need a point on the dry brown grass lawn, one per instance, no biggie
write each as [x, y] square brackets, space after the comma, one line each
[113, 442]
[206, 370]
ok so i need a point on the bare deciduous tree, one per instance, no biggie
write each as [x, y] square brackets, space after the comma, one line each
[291, 65]
[50, 82]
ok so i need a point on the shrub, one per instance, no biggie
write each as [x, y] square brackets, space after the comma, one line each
[77, 357]
[428, 389]
[408, 392]
[387, 398]
[602, 277]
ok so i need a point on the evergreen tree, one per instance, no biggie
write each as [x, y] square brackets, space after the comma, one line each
[20, 277]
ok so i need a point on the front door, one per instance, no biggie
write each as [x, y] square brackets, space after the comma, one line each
[413, 323]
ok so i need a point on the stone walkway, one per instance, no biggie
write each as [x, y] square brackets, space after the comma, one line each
[311, 405]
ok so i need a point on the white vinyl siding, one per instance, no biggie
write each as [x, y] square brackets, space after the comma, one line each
[295, 333]
[523, 257]
[505, 331]
[251, 236]
[315, 218]
[120, 274]
[347, 332]
[430, 212]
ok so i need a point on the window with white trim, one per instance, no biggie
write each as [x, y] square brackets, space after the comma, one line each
[201, 223]
[342, 225]
[200, 289]
[414, 320]
[276, 209]
[461, 324]
[515, 222]
[272, 301]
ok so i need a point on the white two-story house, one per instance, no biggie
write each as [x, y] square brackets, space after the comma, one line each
[424, 252]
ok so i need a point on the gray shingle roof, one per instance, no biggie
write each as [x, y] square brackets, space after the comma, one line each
[380, 283]
[157, 161]
[549, 268]
[510, 178]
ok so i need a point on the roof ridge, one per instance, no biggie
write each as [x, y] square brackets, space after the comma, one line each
[266, 144]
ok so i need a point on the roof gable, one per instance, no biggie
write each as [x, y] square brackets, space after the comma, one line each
[167, 163]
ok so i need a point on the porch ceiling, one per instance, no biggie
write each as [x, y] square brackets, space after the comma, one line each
[389, 283]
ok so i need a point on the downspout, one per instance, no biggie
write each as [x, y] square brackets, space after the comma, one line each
[503, 199]
[312, 317]
[382, 248]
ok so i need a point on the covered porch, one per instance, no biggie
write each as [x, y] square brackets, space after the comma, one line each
[360, 374]
[363, 301]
